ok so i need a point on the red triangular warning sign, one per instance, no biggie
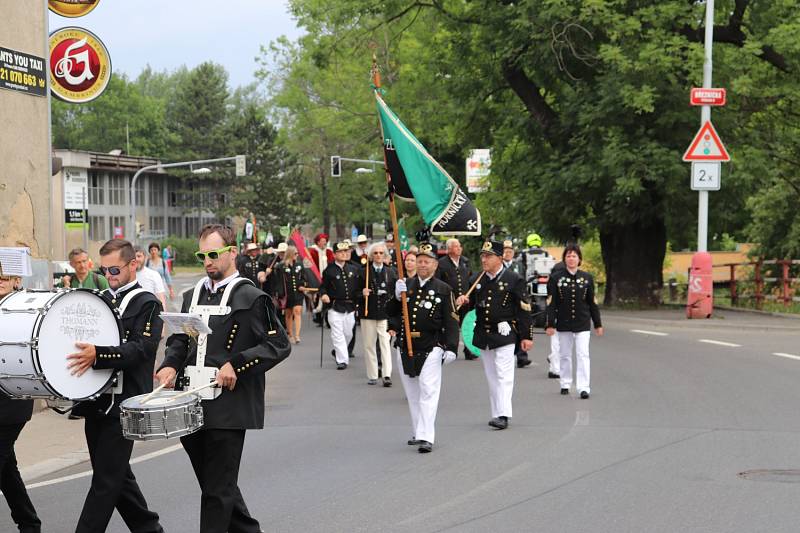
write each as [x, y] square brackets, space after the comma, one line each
[706, 146]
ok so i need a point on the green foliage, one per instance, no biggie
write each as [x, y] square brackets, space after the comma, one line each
[183, 249]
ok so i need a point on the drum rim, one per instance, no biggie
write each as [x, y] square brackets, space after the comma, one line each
[37, 328]
[34, 359]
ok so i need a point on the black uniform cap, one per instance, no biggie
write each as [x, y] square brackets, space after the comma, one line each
[492, 247]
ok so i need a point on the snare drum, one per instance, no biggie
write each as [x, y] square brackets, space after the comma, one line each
[161, 417]
[38, 329]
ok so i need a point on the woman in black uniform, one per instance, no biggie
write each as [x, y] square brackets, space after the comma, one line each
[294, 283]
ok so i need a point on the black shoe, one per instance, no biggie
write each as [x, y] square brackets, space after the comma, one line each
[341, 366]
[425, 447]
[501, 422]
[564, 392]
[523, 364]
[414, 442]
[553, 375]
[387, 381]
[351, 355]
[470, 357]
[584, 395]
[372, 381]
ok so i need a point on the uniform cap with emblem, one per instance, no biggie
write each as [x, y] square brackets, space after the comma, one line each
[282, 247]
[342, 246]
[361, 238]
[251, 246]
[492, 247]
[508, 244]
[426, 248]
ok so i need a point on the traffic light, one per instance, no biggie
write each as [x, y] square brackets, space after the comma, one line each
[241, 166]
[336, 166]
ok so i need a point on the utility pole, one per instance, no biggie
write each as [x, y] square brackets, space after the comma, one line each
[705, 116]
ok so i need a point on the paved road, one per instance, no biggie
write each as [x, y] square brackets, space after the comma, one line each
[672, 422]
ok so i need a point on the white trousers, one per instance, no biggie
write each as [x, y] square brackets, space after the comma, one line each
[580, 340]
[499, 364]
[555, 354]
[423, 394]
[370, 331]
[341, 333]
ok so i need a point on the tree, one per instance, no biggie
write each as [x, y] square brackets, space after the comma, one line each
[583, 103]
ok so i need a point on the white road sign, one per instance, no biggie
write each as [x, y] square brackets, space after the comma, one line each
[706, 176]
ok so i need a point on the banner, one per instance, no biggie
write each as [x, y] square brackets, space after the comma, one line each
[479, 164]
[22, 72]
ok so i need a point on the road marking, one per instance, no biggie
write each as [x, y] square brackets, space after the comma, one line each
[787, 355]
[720, 343]
[646, 332]
[141, 458]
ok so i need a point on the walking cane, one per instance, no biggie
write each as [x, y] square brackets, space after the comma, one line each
[366, 286]
[472, 288]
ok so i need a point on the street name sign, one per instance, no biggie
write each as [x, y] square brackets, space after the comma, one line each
[702, 96]
[706, 146]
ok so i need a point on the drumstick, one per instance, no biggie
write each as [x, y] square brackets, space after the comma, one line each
[192, 391]
[155, 391]
[472, 288]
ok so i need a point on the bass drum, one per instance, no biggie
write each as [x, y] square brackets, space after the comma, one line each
[38, 329]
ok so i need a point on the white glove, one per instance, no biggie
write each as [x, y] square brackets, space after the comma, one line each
[399, 287]
[504, 328]
[381, 292]
[448, 357]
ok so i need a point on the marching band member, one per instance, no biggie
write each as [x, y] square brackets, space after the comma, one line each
[434, 338]
[242, 347]
[340, 284]
[247, 264]
[321, 256]
[293, 279]
[14, 414]
[454, 270]
[503, 317]
[571, 308]
[514, 266]
[362, 243]
[113, 483]
[381, 281]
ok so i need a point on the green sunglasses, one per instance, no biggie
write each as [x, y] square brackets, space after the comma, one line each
[212, 254]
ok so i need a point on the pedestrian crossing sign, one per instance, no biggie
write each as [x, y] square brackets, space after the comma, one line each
[706, 146]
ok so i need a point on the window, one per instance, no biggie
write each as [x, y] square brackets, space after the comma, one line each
[156, 191]
[174, 226]
[156, 224]
[172, 193]
[97, 228]
[140, 191]
[192, 226]
[117, 185]
[96, 196]
[116, 222]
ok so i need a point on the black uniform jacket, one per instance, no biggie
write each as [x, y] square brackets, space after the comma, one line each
[434, 321]
[342, 285]
[248, 268]
[457, 277]
[380, 282]
[136, 357]
[270, 286]
[572, 304]
[241, 339]
[502, 299]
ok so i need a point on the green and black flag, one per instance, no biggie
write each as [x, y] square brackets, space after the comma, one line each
[416, 176]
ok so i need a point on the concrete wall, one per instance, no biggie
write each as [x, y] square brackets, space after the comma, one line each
[25, 173]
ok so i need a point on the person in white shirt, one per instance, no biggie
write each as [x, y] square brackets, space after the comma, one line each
[149, 279]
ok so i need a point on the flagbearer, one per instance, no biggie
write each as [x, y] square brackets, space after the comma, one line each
[503, 317]
[434, 337]
[341, 283]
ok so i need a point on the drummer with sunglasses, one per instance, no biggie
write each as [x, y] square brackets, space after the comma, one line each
[242, 346]
[113, 483]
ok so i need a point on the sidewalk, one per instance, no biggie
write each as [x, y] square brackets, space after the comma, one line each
[722, 318]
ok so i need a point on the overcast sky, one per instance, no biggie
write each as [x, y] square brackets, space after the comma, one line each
[169, 33]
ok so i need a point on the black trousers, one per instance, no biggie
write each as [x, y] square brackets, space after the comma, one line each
[113, 482]
[215, 455]
[22, 510]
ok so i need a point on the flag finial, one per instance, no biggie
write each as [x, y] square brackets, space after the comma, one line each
[375, 72]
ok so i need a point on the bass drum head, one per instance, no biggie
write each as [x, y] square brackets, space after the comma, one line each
[76, 316]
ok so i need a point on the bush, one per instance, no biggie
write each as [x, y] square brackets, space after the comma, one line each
[183, 249]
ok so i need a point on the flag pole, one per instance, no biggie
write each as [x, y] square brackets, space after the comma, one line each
[366, 286]
[376, 80]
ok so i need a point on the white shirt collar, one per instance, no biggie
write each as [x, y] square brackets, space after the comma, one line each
[493, 276]
[217, 286]
[422, 282]
[456, 262]
[377, 266]
[124, 288]
[340, 265]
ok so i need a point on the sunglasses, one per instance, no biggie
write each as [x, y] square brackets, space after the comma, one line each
[114, 271]
[212, 254]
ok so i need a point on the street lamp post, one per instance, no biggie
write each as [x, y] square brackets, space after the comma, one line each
[237, 158]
